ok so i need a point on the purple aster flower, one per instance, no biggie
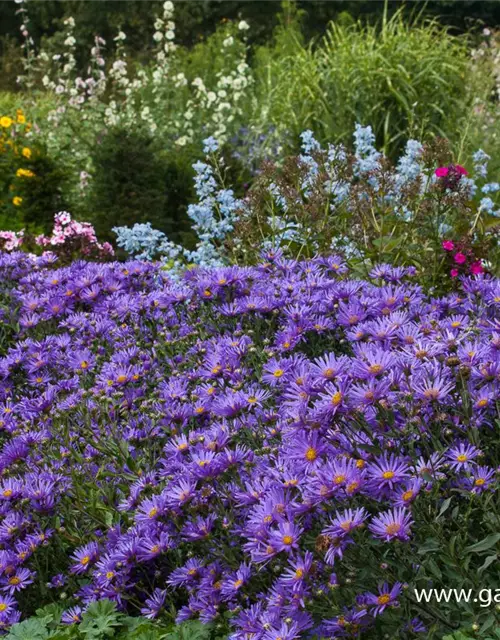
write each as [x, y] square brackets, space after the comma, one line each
[345, 522]
[386, 597]
[392, 524]
[84, 557]
[387, 472]
[461, 455]
[19, 580]
[154, 604]
[286, 537]
[72, 615]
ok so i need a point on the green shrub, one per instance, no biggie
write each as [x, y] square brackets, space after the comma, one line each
[31, 182]
[137, 180]
[42, 194]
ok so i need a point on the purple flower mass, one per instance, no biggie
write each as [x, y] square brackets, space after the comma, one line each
[230, 444]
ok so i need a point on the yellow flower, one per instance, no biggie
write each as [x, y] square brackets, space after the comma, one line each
[24, 173]
[5, 122]
[17, 200]
[26, 152]
[21, 118]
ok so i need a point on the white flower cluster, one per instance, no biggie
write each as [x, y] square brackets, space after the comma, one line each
[221, 102]
[163, 96]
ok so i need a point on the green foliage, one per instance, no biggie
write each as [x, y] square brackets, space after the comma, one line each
[102, 621]
[43, 194]
[99, 622]
[404, 78]
[136, 180]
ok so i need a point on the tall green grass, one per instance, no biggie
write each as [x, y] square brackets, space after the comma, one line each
[401, 77]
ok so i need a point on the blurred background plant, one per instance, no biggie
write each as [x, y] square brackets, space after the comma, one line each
[121, 101]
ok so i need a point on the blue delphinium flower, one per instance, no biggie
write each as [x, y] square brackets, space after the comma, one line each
[367, 157]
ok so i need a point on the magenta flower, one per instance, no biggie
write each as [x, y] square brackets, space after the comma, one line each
[448, 245]
[460, 258]
[476, 268]
[454, 273]
[442, 172]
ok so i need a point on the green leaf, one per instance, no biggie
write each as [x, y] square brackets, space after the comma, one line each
[192, 630]
[100, 620]
[489, 560]
[445, 506]
[489, 622]
[484, 544]
[31, 629]
[433, 568]
[429, 545]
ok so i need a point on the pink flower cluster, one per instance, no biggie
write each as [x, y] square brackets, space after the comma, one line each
[68, 232]
[462, 258]
[11, 240]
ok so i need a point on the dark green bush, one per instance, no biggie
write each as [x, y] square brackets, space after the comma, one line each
[43, 193]
[137, 180]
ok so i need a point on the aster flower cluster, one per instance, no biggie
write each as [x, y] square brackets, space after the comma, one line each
[266, 447]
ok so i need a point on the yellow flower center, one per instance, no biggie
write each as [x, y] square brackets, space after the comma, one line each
[393, 528]
[407, 495]
[85, 560]
[153, 512]
[388, 475]
[375, 368]
[311, 454]
[336, 398]
[462, 458]
[352, 487]
[287, 539]
[384, 599]
[278, 373]
[479, 482]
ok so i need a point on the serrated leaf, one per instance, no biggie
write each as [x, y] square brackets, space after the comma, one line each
[31, 629]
